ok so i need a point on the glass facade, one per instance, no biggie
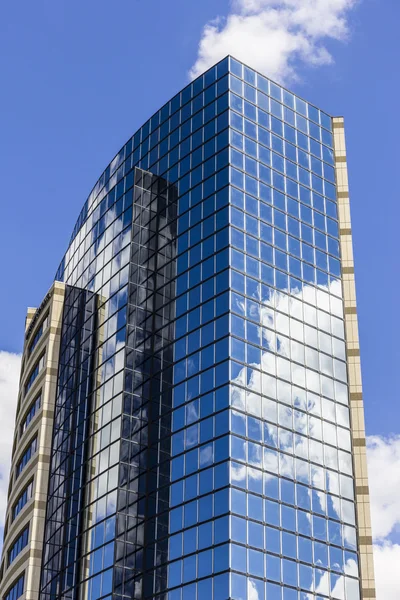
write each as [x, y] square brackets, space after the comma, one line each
[71, 428]
[210, 447]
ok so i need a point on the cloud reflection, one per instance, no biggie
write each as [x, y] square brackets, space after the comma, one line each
[297, 387]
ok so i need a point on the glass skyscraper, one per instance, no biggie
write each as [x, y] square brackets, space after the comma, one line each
[190, 417]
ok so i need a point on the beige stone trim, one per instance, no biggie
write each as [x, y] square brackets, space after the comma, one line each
[30, 313]
[362, 490]
[359, 442]
[348, 270]
[353, 352]
[368, 593]
[365, 545]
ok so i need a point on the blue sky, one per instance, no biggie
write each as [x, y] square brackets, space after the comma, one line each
[78, 78]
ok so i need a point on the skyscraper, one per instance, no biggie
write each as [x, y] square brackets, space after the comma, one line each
[190, 416]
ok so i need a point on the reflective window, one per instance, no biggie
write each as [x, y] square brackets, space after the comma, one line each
[38, 334]
[23, 498]
[17, 589]
[30, 450]
[34, 408]
[34, 373]
[18, 545]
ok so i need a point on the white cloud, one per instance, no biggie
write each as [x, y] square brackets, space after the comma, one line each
[271, 35]
[10, 365]
[384, 478]
[384, 482]
[252, 591]
[387, 561]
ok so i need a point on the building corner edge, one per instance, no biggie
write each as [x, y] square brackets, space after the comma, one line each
[365, 543]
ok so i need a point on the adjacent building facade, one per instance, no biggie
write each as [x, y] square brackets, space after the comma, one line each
[27, 492]
[203, 433]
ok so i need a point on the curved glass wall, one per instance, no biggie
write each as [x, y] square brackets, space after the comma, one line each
[218, 455]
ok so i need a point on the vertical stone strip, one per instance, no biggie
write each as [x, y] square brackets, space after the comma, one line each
[354, 367]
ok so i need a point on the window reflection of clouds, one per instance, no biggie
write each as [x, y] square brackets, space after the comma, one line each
[281, 360]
